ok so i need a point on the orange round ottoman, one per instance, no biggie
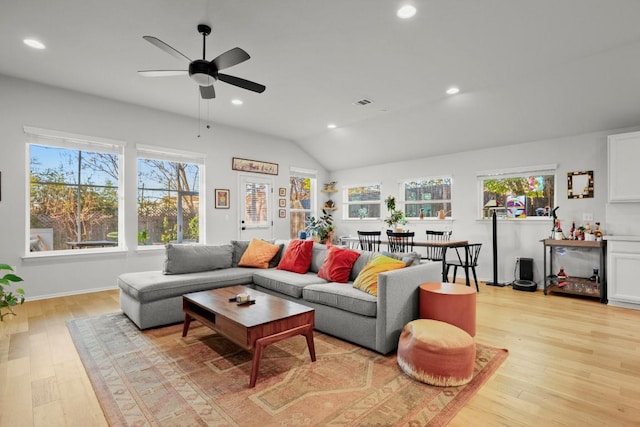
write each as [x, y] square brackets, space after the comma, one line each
[451, 303]
[436, 353]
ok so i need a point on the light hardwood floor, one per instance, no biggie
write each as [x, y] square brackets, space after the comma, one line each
[571, 362]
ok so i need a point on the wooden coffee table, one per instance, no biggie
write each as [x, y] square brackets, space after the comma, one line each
[252, 327]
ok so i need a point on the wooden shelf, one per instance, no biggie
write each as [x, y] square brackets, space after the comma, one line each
[327, 208]
[575, 243]
[329, 191]
[576, 286]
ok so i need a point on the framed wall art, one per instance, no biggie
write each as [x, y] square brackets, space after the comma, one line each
[580, 185]
[282, 203]
[256, 166]
[222, 198]
[282, 192]
[282, 213]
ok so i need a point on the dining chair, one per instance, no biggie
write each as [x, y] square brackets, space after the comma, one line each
[400, 242]
[469, 261]
[369, 240]
[434, 253]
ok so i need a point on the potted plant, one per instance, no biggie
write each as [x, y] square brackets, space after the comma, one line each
[7, 297]
[322, 227]
[396, 216]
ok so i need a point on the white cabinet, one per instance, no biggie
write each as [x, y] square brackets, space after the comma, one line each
[623, 153]
[623, 271]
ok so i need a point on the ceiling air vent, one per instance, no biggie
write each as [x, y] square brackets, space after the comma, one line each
[363, 101]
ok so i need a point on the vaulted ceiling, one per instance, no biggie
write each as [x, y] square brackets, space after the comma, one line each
[527, 70]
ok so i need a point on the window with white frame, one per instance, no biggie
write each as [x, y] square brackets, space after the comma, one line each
[302, 187]
[75, 187]
[427, 196]
[169, 184]
[517, 193]
[361, 201]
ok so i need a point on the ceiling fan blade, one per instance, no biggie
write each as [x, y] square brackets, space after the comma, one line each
[162, 45]
[230, 58]
[244, 84]
[163, 73]
[207, 92]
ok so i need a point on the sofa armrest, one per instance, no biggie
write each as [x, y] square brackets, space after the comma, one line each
[398, 301]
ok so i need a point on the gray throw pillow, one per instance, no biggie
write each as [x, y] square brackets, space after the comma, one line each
[239, 247]
[182, 259]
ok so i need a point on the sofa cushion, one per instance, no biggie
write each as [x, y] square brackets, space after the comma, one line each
[343, 297]
[147, 286]
[277, 257]
[337, 265]
[239, 246]
[258, 254]
[361, 262]
[367, 280]
[285, 282]
[181, 258]
[318, 255]
[409, 258]
[297, 257]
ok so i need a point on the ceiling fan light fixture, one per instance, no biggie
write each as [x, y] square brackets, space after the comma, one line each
[405, 12]
[36, 44]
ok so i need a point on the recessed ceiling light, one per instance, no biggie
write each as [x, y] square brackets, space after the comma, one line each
[332, 126]
[236, 101]
[452, 90]
[34, 43]
[405, 12]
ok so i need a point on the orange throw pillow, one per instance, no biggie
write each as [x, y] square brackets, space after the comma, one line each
[297, 258]
[258, 254]
[367, 280]
[337, 266]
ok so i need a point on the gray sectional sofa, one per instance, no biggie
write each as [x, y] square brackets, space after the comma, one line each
[154, 298]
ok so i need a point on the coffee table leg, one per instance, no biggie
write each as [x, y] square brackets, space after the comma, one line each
[261, 343]
[187, 322]
[310, 345]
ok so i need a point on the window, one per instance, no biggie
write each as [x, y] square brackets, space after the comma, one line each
[302, 185]
[74, 191]
[169, 185]
[427, 195]
[362, 202]
[518, 193]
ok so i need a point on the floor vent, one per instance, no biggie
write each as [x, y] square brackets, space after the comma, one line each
[363, 101]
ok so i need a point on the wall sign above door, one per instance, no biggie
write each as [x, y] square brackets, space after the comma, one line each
[256, 166]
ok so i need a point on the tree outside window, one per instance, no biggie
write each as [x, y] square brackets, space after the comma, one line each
[168, 202]
[362, 202]
[300, 198]
[528, 195]
[73, 196]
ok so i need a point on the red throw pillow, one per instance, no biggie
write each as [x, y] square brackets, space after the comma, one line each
[297, 258]
[337, 266]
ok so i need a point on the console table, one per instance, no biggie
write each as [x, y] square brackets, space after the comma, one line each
[582, 286]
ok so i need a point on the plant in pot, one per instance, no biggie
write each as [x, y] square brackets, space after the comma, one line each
[7, 298]
[396, 216]
[321, 227]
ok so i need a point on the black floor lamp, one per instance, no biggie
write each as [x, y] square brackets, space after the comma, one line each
[495, 251]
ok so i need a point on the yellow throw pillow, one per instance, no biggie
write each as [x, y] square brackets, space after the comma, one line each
[258, 254]
[367, 280]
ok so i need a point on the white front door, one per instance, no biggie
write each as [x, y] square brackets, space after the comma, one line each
[256, 207]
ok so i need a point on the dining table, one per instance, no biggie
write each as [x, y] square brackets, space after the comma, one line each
[353, 242]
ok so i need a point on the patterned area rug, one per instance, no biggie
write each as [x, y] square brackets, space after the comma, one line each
[158, 378]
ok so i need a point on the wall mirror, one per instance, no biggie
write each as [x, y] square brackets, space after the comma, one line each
[580, 184]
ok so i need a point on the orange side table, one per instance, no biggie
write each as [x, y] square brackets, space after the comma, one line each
[451, 303]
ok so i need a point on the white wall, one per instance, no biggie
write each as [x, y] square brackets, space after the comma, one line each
[25, 103]
[515, 238]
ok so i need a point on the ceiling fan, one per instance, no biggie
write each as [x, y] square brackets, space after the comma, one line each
[204, 72]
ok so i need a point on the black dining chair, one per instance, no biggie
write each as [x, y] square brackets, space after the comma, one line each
[400, 242]
[369, 240]
[434, 253]
[469, 260]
